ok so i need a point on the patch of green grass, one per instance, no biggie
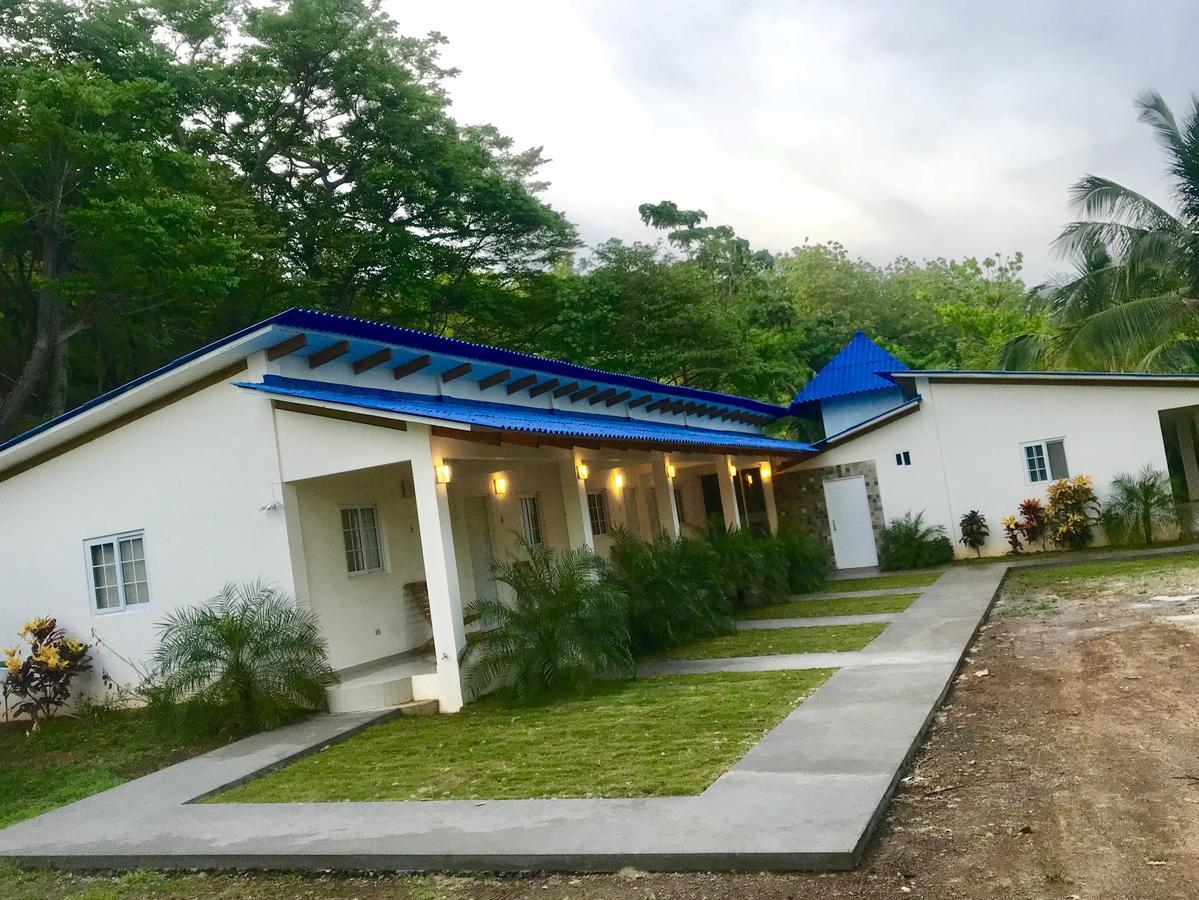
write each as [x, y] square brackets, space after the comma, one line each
[38, 884]
[1035, 576]
[896, 581]
[668, 736]
[845, 606]
[70, 758]
[776, 641]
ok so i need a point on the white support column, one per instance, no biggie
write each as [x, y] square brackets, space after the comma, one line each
[728, 492]
[772, 513]
[645, 522]
[574, 499]
[668, 513]
[441, 571]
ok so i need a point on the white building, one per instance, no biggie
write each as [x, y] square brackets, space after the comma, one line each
[362, 467]
[947, 442]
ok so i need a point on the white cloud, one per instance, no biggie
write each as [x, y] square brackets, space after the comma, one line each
[914, 128]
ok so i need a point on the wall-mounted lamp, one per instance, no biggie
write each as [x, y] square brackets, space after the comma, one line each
[618, 481]
[442, 473]
[732, 471]
[500, 485]
[749, 478]
[765, 471]
[582, 471]
[671, 471]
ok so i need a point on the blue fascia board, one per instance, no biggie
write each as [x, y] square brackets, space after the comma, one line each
[362, 329]
[502, 416]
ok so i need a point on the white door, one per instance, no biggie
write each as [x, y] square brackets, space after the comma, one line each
[849, 522]
[478, 536]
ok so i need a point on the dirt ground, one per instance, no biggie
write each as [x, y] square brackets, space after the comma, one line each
[1059, 768]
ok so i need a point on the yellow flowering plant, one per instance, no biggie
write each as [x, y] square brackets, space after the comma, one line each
[1073, 512]
[38, 671]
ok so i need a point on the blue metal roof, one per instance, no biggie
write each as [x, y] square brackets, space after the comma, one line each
[855, 370]
[362, 329]
[508, 417]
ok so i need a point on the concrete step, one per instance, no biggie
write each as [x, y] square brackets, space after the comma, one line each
[420, 708]
[363, 694]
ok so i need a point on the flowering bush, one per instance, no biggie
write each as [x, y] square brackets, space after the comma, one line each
[1012, 532]
[40, 669]
[1073, 512]
[1034, 521]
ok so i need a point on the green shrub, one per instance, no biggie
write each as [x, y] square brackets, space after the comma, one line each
[754, 570]
[806, 563]
[909, 544]
[249, 659]
[565, 627]
[673, 587]
[975, 530]
[1073, 512]
[1140, 505]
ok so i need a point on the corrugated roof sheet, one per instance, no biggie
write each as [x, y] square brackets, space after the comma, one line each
[855, 370]
[521, 418]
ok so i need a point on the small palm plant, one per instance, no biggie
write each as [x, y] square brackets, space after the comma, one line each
[908, 543]
[564, 627]
[975, 530]
[1141, 503]
[248, 659]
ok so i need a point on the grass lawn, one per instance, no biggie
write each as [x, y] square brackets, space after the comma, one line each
[667, 736]
[847, 606]
[774, 641]
[896, 581]
[71, 758]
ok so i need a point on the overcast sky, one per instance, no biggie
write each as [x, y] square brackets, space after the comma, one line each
[917, 128]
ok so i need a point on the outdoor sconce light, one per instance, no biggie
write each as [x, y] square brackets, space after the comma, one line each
[749, 478]
[671, 471]
[443, 473]
[500, 484]
[765, 471]
[618, 481]
[582, 471]
[732, 471]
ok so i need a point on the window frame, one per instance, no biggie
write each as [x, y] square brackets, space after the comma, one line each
[522, 499]
[601, 508]
[381, 542]
[116, 539]
[1047, 459]
[903, 457]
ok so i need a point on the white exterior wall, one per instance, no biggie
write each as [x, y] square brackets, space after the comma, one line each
[845, 412]
[193, 475]
[364, 616]
[965, 443]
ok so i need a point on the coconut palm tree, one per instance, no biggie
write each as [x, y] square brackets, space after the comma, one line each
[1131, 301]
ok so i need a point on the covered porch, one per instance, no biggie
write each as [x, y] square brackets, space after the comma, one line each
[393, 524]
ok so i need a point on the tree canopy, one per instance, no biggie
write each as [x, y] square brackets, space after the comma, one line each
[176, 169]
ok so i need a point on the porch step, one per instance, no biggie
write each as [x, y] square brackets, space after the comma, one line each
[385, 686]
[420, 708]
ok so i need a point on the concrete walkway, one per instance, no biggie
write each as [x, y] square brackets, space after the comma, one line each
[806, 797]
[813, 621]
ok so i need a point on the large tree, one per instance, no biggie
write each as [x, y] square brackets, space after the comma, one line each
[204, 162]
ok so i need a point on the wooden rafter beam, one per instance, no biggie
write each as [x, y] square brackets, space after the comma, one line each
[602, 396]
[291, 345]
[456, 372]
[539, 389]
[639, 401]
[413, 365]
[497, 378]
[378, 358]
[566, 389]
[619, 398]
[520, 384]
[585, 392]
[330, 353]
[660, 404]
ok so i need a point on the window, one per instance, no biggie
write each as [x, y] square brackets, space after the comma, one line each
[117, 572]
[903, 458]
[1045, 461]
[597, 508]
[530, 519]
[360, 529]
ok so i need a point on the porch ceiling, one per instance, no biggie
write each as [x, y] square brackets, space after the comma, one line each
[521, 424]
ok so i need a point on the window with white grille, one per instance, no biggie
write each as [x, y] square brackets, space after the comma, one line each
[117, 572]
[360, 530]
[530, 519]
